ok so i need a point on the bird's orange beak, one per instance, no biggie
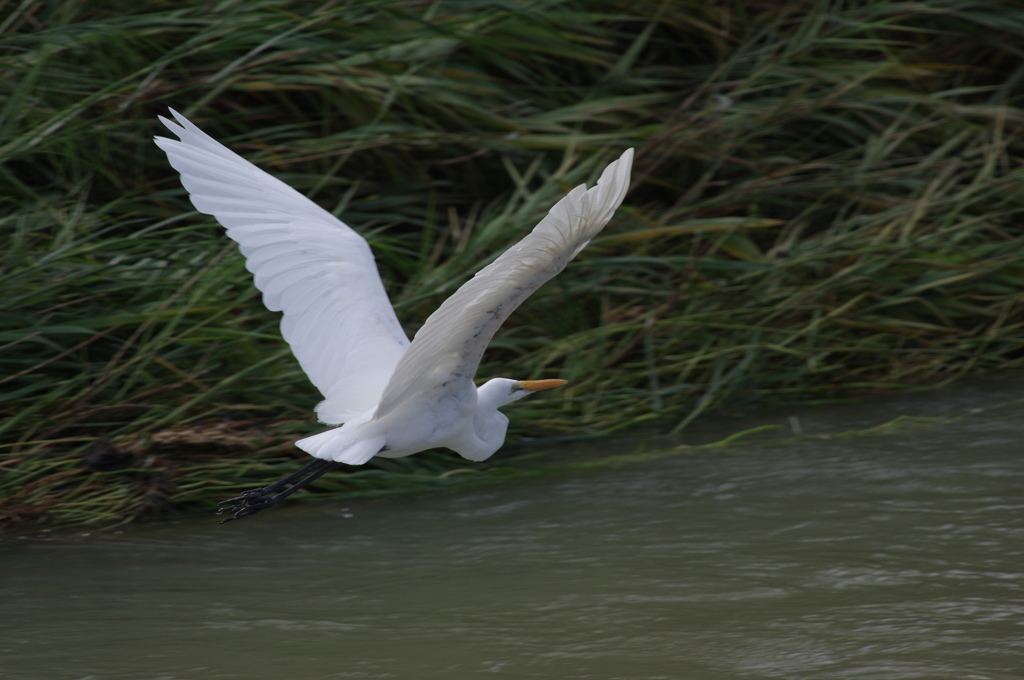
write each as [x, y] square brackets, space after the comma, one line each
[538, 385]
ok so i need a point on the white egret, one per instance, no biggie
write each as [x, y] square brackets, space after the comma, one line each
[392, 397]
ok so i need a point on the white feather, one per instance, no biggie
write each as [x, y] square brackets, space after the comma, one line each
[454, 337]
[308, 264]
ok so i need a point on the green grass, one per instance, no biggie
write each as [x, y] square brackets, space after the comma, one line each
[827, 198]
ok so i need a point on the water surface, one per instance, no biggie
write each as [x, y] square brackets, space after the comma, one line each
[898, 555]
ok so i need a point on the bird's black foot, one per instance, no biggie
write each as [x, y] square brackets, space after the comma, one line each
[248, 503]
[254, 500]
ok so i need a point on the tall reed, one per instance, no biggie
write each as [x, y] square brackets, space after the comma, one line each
[827, 199]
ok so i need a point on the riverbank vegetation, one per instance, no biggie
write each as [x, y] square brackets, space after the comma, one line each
[827, 199]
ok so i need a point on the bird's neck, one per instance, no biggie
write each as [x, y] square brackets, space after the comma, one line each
[487, 433]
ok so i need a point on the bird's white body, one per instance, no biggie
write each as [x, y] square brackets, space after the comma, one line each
[391, 396]
[465, 420]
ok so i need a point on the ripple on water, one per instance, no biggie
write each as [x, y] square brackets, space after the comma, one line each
[899, 555]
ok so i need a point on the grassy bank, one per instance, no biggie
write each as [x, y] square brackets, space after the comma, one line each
[827, 198]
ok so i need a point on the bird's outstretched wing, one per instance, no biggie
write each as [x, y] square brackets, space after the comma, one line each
[450, 344]
[308, 264]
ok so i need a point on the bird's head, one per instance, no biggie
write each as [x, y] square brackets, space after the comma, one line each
[500, 391]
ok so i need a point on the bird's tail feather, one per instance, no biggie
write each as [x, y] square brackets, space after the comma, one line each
[342, 446]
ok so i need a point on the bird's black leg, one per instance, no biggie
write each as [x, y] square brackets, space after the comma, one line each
[252, 501]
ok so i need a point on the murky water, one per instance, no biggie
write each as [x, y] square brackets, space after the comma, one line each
[892, 556]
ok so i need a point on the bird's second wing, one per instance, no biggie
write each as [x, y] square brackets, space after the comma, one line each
[308, 264]
[450, 344]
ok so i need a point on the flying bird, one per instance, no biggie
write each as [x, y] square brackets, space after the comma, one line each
[391, 397]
